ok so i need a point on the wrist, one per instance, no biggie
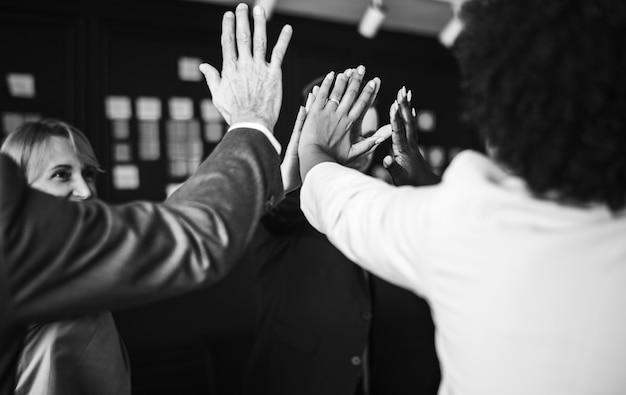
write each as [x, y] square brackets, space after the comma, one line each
[425, 175]
[261, 128]
[311, 155]
[248, 119]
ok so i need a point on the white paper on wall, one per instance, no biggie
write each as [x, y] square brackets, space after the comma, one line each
[120, 129]
[118, 107]
[181, 108]
[188, 69]
[11, 121]
[125, 177]
[213, 132]
[148, 108]
[122, 152]
[149, 142]
[209, 111]
[21, 85]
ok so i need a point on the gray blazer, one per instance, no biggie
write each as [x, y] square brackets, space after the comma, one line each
[59, 259]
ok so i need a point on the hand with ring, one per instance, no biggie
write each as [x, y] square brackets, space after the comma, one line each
[328, 133]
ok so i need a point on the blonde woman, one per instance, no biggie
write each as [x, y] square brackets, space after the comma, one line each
[78, 355]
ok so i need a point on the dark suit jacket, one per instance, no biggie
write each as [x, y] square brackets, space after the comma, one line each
[59, 259]
[314, 310]
[317, 311]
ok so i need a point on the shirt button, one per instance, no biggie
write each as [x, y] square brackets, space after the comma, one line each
[366, 315]
[356, 361]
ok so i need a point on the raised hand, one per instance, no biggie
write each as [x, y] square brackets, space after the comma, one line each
[406, 165]
[328, 133]
[290, 167]
[248, 89]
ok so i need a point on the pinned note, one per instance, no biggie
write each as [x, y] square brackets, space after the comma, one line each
[21, 85]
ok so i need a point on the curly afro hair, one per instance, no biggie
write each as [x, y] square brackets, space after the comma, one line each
[544, 83]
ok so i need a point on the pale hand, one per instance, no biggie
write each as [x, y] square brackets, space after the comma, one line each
[249, 89]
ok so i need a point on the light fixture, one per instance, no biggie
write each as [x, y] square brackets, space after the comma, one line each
[373, 19]
[449, 33]
[268, 6]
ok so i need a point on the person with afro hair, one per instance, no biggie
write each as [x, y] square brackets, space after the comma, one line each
[520, 252]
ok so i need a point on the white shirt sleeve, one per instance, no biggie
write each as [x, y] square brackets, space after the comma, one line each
[374, 224]
[260, 128]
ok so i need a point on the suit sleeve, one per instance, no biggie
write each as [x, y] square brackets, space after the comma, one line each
[59, 258]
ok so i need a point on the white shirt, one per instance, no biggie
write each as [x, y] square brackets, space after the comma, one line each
[528, 296]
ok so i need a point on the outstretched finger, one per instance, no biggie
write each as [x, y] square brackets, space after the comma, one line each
[367, 96]
[243, 31]
[354, 85]
[290, 167]
[408, 118]
[259, 41]
[398, 137]
[383, 133]
[374, 94]
[321, 96]
[292, 146]
[278, 53]
[336, 96]
[212, 77]
[300, 118]
[365, 146]
[309, 101]
[229, 50]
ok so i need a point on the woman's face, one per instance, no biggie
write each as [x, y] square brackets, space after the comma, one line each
[64, 174]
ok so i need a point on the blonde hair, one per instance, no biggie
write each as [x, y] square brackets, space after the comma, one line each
[28, 143]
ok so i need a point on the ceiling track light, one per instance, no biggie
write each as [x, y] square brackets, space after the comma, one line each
[373, 19]
[450, 32]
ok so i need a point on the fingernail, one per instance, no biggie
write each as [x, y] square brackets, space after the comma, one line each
[349, 72]
[361, 70]
[409, 96]
[258, 10]
[413, 112]
[372, 83]
[242, 6]
[329, 75]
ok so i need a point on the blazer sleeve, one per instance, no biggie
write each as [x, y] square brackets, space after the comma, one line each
[59, 258]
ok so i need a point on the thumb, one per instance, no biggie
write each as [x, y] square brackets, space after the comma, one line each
[397, 172]
[294, 140]
[212, 77]
[365, 146]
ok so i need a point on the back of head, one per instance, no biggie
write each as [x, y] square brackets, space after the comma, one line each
[545, 84]
[28, 143]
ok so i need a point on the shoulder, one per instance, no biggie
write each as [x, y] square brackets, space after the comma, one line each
[12, 187]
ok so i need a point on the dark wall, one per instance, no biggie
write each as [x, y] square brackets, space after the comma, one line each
[81, 53]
